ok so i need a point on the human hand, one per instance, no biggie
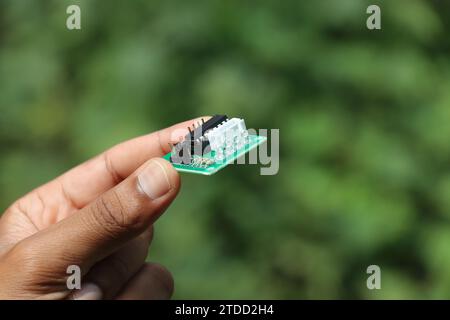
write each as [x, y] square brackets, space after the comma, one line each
[97, 216]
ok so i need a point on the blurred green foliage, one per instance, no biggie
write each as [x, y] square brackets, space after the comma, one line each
[364, 120]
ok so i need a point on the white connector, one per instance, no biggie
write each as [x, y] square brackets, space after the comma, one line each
[227, 137]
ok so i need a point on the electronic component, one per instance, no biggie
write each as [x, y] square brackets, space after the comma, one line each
[227, 138]
[212, 145]
[195, 142]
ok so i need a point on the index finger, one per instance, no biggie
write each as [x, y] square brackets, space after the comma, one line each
[87, 181]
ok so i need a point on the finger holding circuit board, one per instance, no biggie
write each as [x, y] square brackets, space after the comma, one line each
[212, 145]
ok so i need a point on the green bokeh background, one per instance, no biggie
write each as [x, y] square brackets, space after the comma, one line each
[364, 119]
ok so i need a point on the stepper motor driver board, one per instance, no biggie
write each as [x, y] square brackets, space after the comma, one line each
[212, 145]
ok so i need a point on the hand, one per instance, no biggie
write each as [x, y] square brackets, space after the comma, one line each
[97, 216]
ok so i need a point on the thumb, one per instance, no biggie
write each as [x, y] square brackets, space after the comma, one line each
[114, 218]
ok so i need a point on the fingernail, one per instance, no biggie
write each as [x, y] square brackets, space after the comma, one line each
[88, 291]
[154, 181]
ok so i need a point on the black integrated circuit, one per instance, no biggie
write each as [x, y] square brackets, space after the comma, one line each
[195, 142]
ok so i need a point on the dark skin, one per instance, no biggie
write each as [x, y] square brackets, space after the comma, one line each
[98, 216]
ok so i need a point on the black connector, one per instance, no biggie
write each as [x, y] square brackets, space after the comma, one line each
[194, 142]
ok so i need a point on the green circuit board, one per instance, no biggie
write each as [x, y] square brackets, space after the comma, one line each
[198, 166]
